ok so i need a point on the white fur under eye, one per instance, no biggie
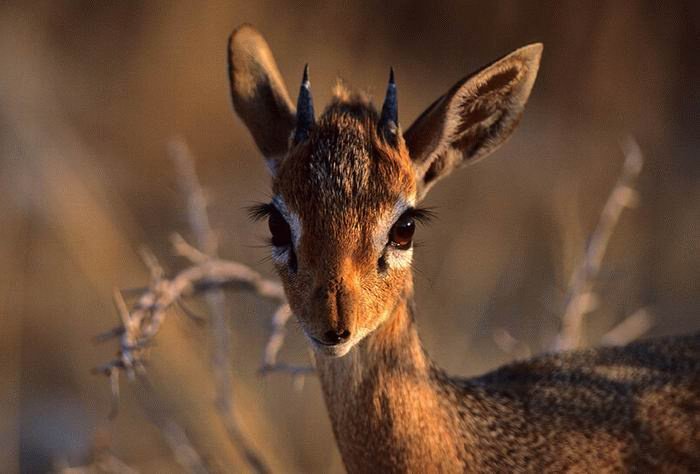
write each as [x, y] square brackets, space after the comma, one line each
[395, 258]
[398, 259]
[381, 235]
[280, 255]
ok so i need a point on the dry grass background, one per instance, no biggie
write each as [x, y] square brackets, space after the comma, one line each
[91, 93]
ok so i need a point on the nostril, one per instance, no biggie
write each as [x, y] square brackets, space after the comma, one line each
[336, 336]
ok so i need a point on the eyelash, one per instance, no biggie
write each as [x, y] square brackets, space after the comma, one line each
[422, 215]
[260, 211]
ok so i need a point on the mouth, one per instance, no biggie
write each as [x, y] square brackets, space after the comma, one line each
[331, 350]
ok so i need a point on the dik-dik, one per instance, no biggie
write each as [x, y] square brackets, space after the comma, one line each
[346, 192]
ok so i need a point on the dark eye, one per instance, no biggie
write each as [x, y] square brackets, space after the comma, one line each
[281, 233]
[401, 234]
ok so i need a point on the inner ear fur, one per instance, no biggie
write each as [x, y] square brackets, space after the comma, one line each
[473, 118]
[259, 94]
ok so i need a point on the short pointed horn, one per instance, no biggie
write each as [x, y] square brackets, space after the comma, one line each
[305, 109]
[389, 121]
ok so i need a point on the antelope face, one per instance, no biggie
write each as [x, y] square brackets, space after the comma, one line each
[346, 187]
[342, 221]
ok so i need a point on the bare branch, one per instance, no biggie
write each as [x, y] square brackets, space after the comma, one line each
[274, 345]
[581, 298]
[144, 319]
[184, 249]
[509, 344]
[176, 437]
[279, 331]
[220, 329]
[104, 462]
[632, 327]
[293, 370]
[149, 259]
[207, 275]
[197, 214]
[114, 386]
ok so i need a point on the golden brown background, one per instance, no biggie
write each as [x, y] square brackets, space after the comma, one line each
[91, 92]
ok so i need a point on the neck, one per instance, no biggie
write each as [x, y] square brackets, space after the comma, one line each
[389, 405]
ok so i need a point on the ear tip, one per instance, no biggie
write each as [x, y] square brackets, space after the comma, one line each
[245, 28]
[536, 48]
[532, 52]
[244, 33]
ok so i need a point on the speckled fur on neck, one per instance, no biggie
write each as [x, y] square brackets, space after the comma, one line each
[625, 409]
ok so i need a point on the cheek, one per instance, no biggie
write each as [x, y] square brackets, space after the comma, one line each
[296, 287]
[381, 292]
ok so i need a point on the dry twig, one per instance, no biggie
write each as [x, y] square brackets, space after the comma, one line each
[175, 436]
[273, 346]
[142, 322]
[581, 298]
[219, 322]
[207, 275]
[509, 344]
[632, 327]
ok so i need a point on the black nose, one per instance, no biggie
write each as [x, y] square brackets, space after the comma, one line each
[336, 336]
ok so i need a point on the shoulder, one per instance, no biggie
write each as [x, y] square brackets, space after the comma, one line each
[653, 362]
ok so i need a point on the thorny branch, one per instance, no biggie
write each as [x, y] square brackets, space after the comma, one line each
[102, 459]
[175, 436]
[581, 298]
[629, 329]
[273, 346]
[207, 275]
[509, 344]
[143, 320]
[216, 301]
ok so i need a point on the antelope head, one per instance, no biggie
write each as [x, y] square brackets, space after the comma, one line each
[346, 186]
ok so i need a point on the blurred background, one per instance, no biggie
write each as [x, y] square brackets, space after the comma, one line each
[91, 93]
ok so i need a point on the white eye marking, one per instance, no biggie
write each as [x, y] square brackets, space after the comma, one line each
[280, 255]
[381, 236]
[271, 163]
[398, 259]
[395, 258]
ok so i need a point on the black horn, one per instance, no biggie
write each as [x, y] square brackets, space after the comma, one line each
[389, 121]
[305, 109]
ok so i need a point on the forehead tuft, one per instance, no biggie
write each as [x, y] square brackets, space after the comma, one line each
[343, 94]
[341, 157]
[345, 165]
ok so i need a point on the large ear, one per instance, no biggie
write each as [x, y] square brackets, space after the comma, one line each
[473, 118]
[259, 94]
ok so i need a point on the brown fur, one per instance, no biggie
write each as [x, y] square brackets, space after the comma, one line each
[627, 409]
[343, 170]
[635, 408]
